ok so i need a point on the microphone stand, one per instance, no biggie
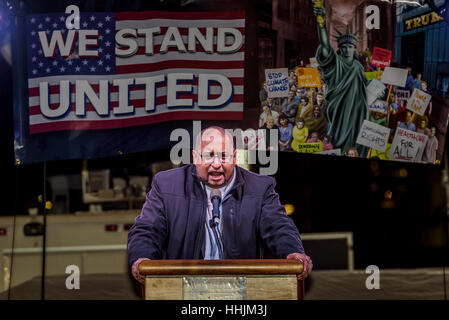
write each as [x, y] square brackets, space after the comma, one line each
[214, 223]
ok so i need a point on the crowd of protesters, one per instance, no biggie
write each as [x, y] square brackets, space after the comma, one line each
[301, 118]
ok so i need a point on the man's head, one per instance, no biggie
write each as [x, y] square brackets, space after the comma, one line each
[300, 123]
[270, 101]
[299, 92]
[352, 153]
[423, 85]
[291, 94]
[419, 76]
[214, 157]
[422, 124]
[283, 120]
[304, 101]
[266, 109]
[316, 112]
[314, 137]
[408, 117]
[319, 98]
[409, 71]
[293, 74]
[432, 132]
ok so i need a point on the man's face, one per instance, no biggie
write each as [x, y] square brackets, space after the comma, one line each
[291, 94]
[284, 122]
[215, 158]
[266, 109]
[270, 101]
[432, 132]
[347, 51]
[319, 98]
[299, 92]
[270, 123]
[316, 112]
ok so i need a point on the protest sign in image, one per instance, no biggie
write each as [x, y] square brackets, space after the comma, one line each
[418, 102]
[395, 76]
[334, 152]
[379, 106]
[407, 145]
[310, 147]
[371, 75]
[402, 95]
[381, 57]
[373, 136]
[374, 90]
[308, 78]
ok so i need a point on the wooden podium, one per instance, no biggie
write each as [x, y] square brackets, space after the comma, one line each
[269, 279]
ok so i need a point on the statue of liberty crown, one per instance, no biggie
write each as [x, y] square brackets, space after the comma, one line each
[347, 37]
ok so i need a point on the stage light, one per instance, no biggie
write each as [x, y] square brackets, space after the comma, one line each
[403, 173]
[388, 195]
[289, 208]
[48, 205]
[3, 232]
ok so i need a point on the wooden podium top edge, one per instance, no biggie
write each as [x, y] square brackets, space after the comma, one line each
[221, 267]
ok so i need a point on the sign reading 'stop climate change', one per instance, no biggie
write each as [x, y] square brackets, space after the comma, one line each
[134, 68]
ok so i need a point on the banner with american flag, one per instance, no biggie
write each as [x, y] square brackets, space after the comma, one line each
[128, 69]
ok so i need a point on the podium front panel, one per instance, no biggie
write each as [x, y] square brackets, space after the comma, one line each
[251, 287]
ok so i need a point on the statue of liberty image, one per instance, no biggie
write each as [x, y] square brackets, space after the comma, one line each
[346, 82]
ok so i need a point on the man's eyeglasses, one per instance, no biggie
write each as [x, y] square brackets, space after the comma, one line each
[223, 157]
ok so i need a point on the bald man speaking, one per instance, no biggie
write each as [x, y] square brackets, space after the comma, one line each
[213, 209]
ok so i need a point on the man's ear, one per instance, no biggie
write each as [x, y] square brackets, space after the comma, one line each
[235, 156]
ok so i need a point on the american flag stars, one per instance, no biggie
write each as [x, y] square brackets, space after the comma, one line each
[40, 66]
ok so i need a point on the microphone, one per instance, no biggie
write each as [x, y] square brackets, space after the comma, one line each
[215, 198]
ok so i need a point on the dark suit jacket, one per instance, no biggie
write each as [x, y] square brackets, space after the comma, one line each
[172, 222]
